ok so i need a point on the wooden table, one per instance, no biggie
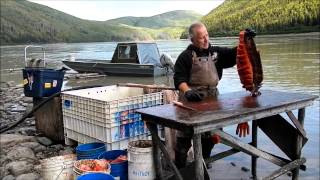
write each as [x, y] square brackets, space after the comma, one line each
[233, 108]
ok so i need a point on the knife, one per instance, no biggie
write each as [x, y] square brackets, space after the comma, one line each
[180, 104]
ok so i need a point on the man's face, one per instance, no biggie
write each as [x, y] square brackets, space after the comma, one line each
[201, 37]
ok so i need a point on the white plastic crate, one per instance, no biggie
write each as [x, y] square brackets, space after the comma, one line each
[102, 133]
[107, 113]
[119, 145]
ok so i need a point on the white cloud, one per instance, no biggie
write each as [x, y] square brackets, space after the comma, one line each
[103, 10]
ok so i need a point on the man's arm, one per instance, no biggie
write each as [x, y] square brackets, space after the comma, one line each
[182, 69]
[226, 56]
[182, 75]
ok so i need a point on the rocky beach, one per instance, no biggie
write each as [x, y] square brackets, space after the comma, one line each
[22, 147]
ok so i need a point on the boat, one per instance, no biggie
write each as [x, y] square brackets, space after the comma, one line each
[129, 59]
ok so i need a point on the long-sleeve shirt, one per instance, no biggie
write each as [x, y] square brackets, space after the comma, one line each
[226, 58]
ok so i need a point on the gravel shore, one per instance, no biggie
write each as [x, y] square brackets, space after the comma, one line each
[22, 147]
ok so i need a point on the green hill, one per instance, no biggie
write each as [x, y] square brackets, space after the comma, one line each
[25, 22]
[179, 18]
[264, 16]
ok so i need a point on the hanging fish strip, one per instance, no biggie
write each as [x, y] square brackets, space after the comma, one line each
[249, 63]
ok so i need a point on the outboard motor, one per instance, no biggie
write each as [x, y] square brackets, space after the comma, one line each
[166, 61]
[71, 58]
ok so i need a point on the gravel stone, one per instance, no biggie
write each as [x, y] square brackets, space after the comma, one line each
[19, 167]
[29, 176]
[31, 145]
[44, 140]
[7, 139]
[9, 177]
[21, 152]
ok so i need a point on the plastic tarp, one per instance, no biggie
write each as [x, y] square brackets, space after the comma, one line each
[148, 54]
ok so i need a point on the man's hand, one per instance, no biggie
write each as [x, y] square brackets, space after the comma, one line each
[243, 129]
[251, 32]
[193, 95]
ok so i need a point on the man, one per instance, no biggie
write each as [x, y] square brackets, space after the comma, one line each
[198, 70]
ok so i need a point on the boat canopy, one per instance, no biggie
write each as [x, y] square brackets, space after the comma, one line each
[140, 53]
[148, 54]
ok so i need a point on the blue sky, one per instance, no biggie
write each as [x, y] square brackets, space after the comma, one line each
[102, 10]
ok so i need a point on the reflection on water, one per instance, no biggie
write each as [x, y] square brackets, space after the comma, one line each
[294, 63]
[290, 63]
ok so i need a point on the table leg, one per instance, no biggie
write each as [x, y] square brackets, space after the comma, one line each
[295, 172]
[156, 150]
[254, 143]
[197, 147]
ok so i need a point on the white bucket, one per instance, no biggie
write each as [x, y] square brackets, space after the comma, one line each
[58, 168]
[140, 160]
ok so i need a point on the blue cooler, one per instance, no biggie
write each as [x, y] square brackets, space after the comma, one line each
[39, 81]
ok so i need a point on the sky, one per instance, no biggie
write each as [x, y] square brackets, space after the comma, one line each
[102, 10]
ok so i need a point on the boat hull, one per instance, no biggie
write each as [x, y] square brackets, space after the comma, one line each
[117, 69]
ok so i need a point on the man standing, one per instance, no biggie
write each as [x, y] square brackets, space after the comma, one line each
[198, 70]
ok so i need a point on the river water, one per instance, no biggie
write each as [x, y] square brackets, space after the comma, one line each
[290, 63]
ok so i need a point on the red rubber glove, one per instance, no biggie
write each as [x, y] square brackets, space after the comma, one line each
[215, 139]
[243, 129]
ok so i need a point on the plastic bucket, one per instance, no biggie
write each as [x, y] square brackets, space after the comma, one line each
[59, 167]
[140, 160]
[90, 150]
[118, 170]
[95, 176]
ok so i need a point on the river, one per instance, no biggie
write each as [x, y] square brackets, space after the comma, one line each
[290, 63]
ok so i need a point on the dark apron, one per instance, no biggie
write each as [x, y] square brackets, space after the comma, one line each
[204, 79]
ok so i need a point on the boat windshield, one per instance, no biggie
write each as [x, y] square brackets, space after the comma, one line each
[127, 52]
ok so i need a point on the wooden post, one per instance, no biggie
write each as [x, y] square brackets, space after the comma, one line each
[285, 168]
[297, 124]
[247, 148]
[221, 155]
[254, 144]
[49, 121]
[156, 140]
[156, 150]
[295, 172]
[197, 147]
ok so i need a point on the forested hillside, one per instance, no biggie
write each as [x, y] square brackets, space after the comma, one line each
[264, 16]
[179, 18]
[25, 22]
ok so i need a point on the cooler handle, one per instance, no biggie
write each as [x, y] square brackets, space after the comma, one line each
[25, 54]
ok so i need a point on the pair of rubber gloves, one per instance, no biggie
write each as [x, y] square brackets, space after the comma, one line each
[243, 129]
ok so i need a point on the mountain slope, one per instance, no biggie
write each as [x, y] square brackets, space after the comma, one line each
[264, 16]
[24, 22]
[179, 18]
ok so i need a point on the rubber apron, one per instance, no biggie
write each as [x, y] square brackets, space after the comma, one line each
[204, 78]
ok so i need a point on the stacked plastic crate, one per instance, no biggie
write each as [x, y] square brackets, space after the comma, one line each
[106, 114]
